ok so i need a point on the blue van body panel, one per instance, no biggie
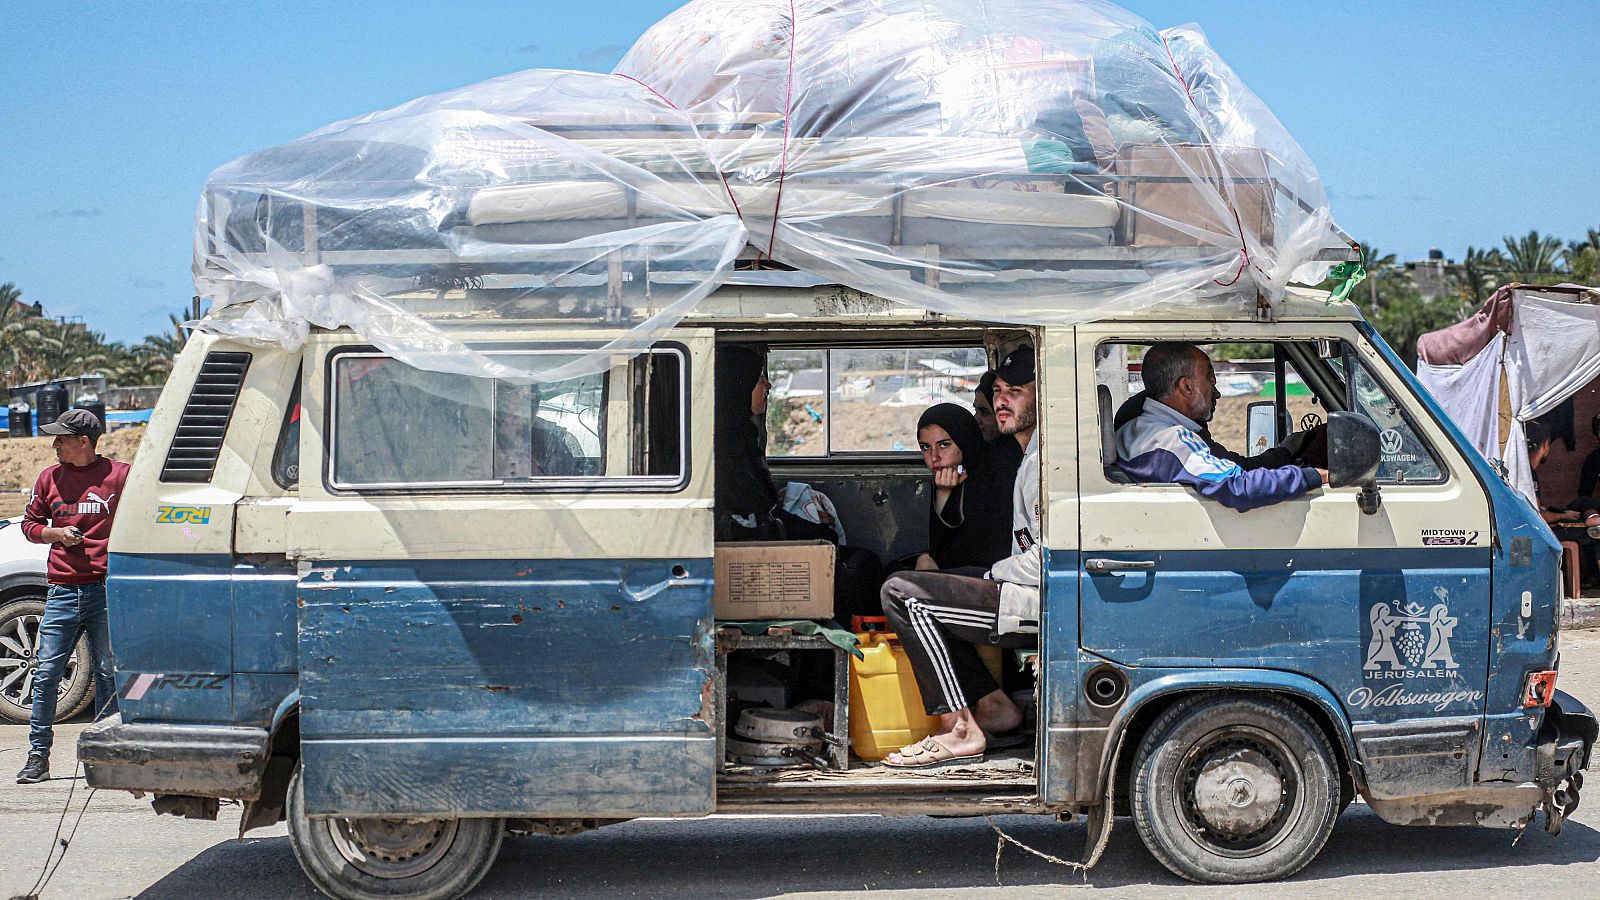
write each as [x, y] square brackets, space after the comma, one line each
[257, 697]
[1526, 560]
[264, 617]
[503, 687]
[218, 637]
[1302, 611]
[172, 615]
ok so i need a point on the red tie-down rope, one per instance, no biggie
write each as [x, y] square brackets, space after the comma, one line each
[1238, 223]
[783, 160]
[709, 155]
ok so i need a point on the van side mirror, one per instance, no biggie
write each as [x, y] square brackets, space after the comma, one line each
[1353, 456]
[1262, 427]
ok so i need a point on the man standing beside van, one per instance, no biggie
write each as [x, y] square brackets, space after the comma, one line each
[71, 509]
[939, 616]
[1165, 444]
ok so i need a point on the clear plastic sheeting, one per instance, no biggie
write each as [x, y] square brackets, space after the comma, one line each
[1016, 161]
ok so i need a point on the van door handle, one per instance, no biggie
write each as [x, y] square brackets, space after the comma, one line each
[1102, 566]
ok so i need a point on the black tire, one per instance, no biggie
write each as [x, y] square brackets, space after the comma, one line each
[437, 860]
[19, 626]
[1281, 780]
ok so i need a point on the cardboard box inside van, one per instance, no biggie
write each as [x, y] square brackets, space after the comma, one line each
[774, 580]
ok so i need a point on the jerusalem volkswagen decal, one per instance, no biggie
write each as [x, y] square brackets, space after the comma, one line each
[1408, 659]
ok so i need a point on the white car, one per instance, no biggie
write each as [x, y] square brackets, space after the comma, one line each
[22, 589]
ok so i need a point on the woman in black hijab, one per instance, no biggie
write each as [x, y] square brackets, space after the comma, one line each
[745, 496]
[969, 517]
[749, 505]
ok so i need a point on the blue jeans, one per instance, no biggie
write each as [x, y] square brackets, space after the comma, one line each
[70, 610]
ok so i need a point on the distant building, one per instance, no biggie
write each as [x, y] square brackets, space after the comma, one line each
[1436, 276]
[28, 309]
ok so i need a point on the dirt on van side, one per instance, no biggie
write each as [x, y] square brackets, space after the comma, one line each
[21, 460]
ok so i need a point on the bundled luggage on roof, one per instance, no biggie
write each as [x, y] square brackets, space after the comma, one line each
[1016, 161]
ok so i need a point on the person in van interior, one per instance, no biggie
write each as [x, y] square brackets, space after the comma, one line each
[71, 509]
[1309, 447]
[969, 514]
[983, 412]
[1163, 444]
[939, 616]
[1577, 521]
[749, 507]
[983, 407]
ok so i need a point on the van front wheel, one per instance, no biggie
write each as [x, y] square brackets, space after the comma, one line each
[1235, 789]
[413, 859]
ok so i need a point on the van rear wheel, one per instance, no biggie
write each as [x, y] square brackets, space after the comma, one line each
[1235, 789]
[413, 859]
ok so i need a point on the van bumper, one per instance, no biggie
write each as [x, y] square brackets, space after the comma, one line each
[221, 761]
[1565, 741]
[1562, 747]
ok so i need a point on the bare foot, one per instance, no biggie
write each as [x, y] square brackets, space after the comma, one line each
[958, 733]
[995, 712]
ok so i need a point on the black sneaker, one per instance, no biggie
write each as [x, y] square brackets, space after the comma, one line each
[37, 769]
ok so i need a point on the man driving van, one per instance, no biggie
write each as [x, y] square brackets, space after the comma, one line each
[1165, 443]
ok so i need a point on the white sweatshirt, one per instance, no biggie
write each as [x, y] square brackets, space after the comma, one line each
[1019, 572]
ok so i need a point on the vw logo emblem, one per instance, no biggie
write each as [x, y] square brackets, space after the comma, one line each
[1391, 441]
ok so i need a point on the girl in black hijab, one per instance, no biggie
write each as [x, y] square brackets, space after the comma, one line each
[969, 518]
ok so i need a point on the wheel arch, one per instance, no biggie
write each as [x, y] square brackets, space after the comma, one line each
[1149, 700]
[19, 585]
[283, 753]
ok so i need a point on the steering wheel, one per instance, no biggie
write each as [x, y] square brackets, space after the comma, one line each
[1309, 421]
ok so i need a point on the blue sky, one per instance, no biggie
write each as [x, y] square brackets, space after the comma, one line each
[1434, 124]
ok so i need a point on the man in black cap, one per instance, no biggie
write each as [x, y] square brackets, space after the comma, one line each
[71, 509]
[939, 616]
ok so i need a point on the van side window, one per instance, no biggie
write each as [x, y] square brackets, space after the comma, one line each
[862, 400]
[1248, 419]
[394, 425]
[1407, 458]
[1254, 412]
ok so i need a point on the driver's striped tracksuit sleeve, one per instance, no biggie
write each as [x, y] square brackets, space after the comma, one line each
[1172, 454]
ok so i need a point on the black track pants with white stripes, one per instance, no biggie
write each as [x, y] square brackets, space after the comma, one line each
[939, 617]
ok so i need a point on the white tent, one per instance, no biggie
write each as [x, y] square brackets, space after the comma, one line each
[1526, 351]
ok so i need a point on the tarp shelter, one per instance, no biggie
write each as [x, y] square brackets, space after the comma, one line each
[1519, 357]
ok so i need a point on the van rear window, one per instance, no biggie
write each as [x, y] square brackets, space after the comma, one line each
[395, 425]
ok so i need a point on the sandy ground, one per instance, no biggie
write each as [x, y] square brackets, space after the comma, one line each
[21, 460]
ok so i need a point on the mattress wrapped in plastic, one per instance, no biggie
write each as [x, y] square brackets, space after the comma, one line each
[1016, 161]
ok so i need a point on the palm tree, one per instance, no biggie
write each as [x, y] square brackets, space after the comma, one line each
[1482, 269]
[1591, 240]
[1533, 257]
[1583, 259]
[18, 332]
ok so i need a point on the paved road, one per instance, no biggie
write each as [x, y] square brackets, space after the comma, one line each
[122, 850]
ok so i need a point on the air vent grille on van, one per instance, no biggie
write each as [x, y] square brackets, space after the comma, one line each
[198, 441]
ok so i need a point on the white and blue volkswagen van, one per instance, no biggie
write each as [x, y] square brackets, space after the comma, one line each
[340, 594]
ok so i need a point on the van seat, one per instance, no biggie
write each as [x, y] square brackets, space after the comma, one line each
[1108, 438]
